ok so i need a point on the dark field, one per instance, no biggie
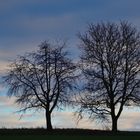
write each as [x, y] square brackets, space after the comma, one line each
[66, 134]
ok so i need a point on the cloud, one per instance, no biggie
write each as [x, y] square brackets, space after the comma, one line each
[53, 23]
[129, 119]
[3, 67]
[8, 52]
[6, 101]
[9, 117]
[34, 21]
[11, 120]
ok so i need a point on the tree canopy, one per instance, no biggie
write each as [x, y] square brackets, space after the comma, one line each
[111, 68]
[42, 79]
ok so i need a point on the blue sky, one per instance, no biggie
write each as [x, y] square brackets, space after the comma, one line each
[24, 24]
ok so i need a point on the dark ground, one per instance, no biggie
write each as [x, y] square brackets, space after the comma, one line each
[65, 132]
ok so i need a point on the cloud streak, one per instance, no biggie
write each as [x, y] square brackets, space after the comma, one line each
[60, 119]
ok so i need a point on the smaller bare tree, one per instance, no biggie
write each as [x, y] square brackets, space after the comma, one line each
[42, 79]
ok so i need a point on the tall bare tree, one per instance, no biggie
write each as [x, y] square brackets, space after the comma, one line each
[111, 67]
[43, 79]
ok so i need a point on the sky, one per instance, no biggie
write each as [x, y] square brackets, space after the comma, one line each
[24, 24]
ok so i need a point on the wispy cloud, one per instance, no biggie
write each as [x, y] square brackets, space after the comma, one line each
[12, 120]
[129, 119]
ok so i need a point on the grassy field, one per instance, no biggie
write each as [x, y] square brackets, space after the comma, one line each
[45, 137]
[66, 134]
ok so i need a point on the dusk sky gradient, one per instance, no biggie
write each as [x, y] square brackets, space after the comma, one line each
[24, 24]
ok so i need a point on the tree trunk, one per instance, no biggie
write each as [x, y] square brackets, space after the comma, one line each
[114, 124]
[48, 121]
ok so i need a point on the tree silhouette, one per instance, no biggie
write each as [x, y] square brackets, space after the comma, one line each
[111, 68]
[42, 79]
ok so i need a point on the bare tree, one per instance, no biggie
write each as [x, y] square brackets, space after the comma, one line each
[42, 79]
[111, 67]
